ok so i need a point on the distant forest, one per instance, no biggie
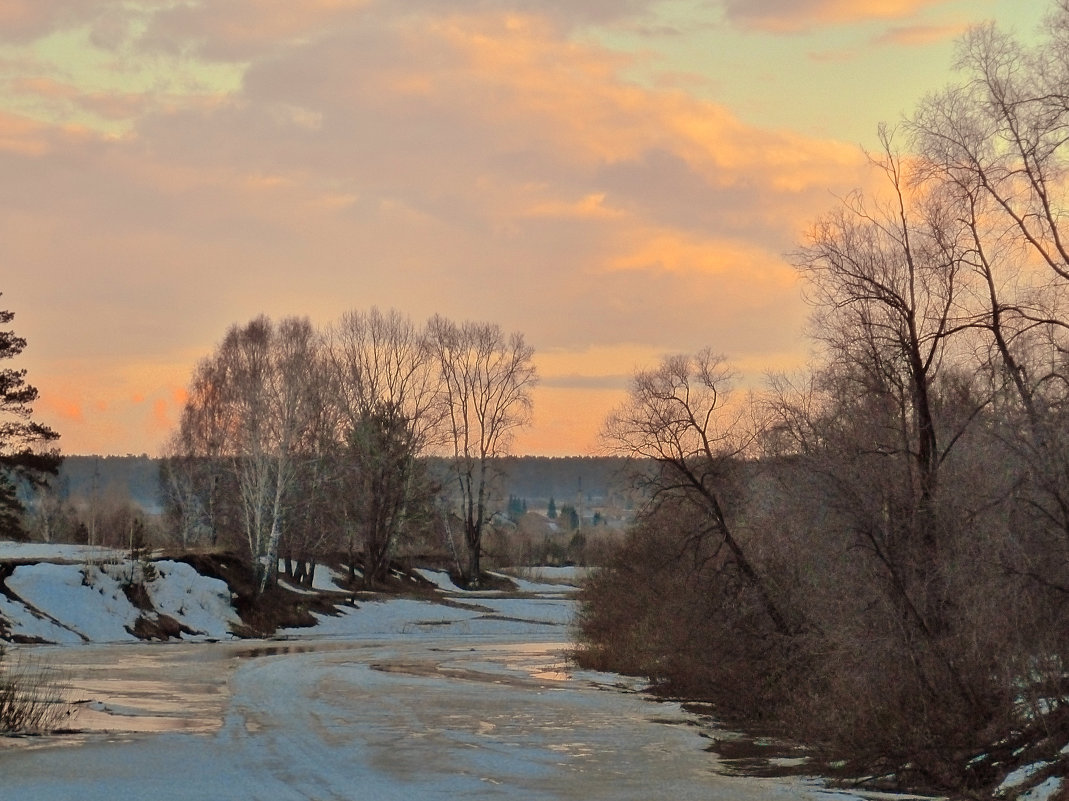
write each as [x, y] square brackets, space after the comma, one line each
[580, 480]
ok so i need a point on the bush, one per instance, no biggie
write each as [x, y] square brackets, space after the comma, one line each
[858, 677]
[670, 606]
[32, 697]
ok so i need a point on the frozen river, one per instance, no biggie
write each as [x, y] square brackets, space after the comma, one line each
[398, 700]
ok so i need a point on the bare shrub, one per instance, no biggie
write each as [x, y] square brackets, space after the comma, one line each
[674, 607]
[32, 696]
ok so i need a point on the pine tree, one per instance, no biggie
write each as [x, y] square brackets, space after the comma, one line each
[24, 451]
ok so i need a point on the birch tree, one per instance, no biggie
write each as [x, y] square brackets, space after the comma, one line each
[250, 409]
[486, 378]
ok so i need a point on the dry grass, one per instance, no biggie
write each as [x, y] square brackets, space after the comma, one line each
[33, 698]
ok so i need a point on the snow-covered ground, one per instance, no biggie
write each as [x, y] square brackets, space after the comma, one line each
[67, 603]
[58, 552]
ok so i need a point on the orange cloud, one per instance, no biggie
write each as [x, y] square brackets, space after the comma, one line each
[591, 206]
[45, 87]
[21, 135]
[667, 250]
[64, 409]
[161, 418]
[520, 76]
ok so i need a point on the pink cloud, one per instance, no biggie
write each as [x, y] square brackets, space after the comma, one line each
[21, 20]
[240, 30]
[782, 16]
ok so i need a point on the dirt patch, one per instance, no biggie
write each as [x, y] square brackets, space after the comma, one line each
[137, 594]
[262, 614]
[159, 627]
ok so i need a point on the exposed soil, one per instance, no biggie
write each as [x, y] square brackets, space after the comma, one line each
[261, 613]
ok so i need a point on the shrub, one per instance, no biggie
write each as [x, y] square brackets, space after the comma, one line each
[32, 697]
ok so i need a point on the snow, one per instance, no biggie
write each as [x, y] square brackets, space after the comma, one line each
[407, 618]
[555, 575]
[77, 602]
[61, 553]
[439, 578]
[25, 622]
[84, 599]
[1044, 791]
[564, 579]
[66, 603]
[199, 602]
[1019, 777]
[326, 579]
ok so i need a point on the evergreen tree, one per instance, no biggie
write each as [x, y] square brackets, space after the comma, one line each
[24, 452]
[517, 507]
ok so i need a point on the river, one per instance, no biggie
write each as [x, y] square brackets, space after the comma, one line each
[424, 704]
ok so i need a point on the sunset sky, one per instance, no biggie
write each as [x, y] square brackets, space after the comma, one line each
[617, 179]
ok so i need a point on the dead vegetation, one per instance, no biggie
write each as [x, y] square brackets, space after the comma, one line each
[32, 696]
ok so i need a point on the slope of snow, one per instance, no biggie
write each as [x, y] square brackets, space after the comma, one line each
[565, 579]
[439, 578]
[65, 603]
[24, 622]
[1019, 777]
[326, 578]
[86, 600]
[554, 575]
[1044, 791]
[201, 603]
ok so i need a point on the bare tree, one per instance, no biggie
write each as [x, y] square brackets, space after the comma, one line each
[679, 415]
[385, 382]
[885, 285]
[486, 380]
[198, 470]
[995, 142]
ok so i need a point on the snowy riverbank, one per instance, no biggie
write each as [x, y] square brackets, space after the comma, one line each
[68, 594]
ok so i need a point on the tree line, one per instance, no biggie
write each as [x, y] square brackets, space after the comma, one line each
[873, 553]
[298, 442]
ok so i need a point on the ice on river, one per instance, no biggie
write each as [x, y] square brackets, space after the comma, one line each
[395, 700]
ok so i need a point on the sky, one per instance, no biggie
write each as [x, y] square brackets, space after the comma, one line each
[616, 179]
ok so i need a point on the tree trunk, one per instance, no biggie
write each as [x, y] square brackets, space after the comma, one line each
[474, 569]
